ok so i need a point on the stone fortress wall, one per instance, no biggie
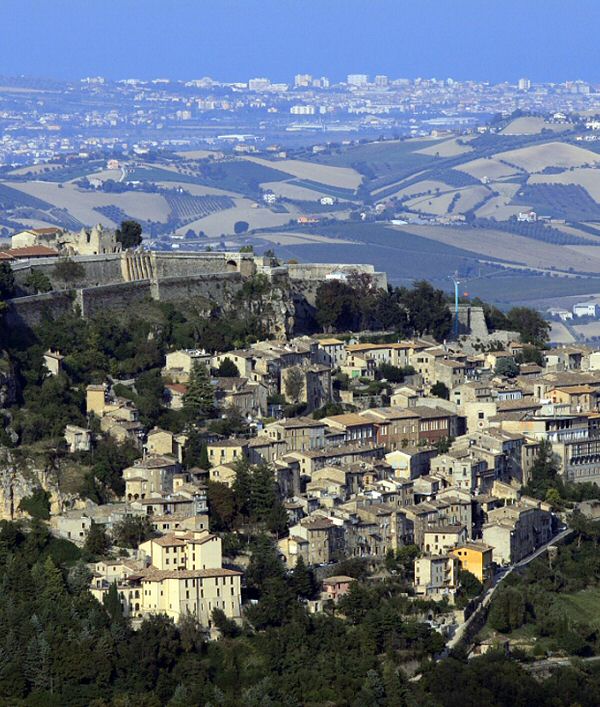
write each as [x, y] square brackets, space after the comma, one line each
[115, 280]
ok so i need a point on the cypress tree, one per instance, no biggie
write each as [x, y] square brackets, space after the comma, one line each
[198, 401]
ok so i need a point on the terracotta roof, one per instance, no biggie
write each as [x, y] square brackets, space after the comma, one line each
[46, 231]
[349, 419]
[177, 388]
[330, 342]
[338, 579]
[154, 575]
[34, 251]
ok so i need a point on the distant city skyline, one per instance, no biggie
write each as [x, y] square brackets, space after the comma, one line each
[543, 40]
[522, 81]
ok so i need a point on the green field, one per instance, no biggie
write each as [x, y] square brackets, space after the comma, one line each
[510, 288]
[566, 201]
[582, 607]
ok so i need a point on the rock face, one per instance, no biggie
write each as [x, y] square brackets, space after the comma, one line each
[21, 473]
[8, 382]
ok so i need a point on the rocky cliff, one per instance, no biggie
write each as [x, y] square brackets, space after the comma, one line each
[24, 470]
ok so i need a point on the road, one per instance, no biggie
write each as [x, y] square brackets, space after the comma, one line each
[498, 579]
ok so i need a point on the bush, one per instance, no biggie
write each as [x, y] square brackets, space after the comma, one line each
[37, 505]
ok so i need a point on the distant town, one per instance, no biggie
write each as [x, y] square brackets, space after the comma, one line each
[40, 119]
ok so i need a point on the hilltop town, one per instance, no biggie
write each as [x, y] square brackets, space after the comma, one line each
[370, 432]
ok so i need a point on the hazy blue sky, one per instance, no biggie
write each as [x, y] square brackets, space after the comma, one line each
[236, 39]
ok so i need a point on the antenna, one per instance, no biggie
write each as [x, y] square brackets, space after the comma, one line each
[456, 282]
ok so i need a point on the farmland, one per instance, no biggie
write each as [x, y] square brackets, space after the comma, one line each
[342, 177]
[459, 194]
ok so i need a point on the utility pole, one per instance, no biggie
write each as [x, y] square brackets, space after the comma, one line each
[456, 282]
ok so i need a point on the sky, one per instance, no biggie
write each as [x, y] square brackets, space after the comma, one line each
[233, 40]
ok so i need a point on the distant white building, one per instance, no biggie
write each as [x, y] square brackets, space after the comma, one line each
[528, 216]
[563, 314]
[269, 198]
[302, 80]
[326, 201]
[585, 309]
[260, 84]
[357, 80]
[300, 109]
[337, 275]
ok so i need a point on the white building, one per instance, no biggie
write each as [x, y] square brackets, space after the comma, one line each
[302, 80]
[359, 80]
[301, 109]
[585, 309]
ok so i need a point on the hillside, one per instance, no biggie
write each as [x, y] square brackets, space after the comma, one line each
[463, 192]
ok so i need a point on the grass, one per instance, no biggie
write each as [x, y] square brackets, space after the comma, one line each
[337, 192]
[568, 201]
[511, 288]
[12, 198]
[582, 607]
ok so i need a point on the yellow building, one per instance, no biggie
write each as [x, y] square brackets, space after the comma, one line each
[95, 399]
[476, 558]
[185, 576]
[161, 441]
[226, 451]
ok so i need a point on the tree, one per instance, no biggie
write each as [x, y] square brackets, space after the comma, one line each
[221, 504]
[131, 531]
[68, 271]
[469, 583]
[37, 505]
[428, 311]
[506, 367]
[264, 564]
[226, 627]
[130, 234]
[195, 452]
[336, 306]
[393, 374]
[507, 612]
[199, 399]
[534, 329]
[241, 227]
[440, 390]
[294, 383]
[303, 580]
[38, 281]
[7, 281]
[97, 542]
[228, 369]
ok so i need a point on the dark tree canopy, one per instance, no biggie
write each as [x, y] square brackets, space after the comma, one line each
[129, 235]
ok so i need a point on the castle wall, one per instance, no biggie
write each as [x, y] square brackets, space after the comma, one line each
[29, 311]
[92, 300]
[215, 286]
[99, 269]
[318, 272]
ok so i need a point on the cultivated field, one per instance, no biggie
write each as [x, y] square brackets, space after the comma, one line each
[223, 222]
[531, 125]
[343, 177]
[559, 334]
[587, 331]
[80, 203]
[510, 248]
[585, 177]
[196, 189]
[550, 154]
[289, 238]
[448, 148]
[491, 167]
[292, 191]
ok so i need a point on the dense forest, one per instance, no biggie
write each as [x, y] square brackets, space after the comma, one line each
[59, 646]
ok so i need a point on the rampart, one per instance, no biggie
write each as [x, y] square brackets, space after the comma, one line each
[317, 272]
[116, 280]
[99, 269]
